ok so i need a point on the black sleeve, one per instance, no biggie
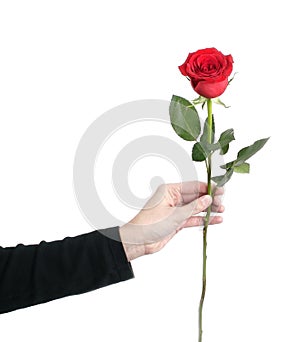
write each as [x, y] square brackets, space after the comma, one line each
[37, 274]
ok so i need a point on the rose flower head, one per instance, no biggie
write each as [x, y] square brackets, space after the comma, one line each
[208, 70]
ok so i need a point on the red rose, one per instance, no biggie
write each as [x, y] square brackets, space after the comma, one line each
[208, 71]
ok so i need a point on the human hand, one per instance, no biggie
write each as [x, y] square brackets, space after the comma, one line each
[172, 207]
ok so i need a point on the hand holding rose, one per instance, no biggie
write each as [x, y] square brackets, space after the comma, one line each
[171, 208]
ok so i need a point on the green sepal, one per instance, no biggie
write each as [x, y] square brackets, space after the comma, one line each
[184, 118]
[199, 100]
[232, 78]
[219, 102]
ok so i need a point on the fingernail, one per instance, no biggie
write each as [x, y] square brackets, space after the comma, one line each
[220, 219]
[206, 200]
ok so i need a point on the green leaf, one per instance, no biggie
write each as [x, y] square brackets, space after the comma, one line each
[225, 138]
[184, 118]
[243, 168]
[208, 148]
[224, 150]
[198, 153]
[227, 166]
[247, 152]
[221, 180]
[223, 143]
[204, 136]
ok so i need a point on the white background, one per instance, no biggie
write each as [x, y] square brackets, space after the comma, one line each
[64, 63]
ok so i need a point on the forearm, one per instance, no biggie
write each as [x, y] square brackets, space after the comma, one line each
[36, 274]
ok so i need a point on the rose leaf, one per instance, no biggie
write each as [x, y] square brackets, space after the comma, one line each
[184, 118]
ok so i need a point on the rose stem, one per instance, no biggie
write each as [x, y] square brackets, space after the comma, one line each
[208, 167]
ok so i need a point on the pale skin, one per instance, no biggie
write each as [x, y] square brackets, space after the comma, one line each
[172, 207]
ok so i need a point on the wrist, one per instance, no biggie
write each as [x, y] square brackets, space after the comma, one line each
[132, 250]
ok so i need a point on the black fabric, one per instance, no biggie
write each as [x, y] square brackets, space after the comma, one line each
[35, 274]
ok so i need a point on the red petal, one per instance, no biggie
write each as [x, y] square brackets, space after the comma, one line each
[210, 90]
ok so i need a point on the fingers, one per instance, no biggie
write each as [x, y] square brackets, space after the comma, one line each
[202, 203]
[217, 190]
[194, 189]
[196, 221]
[217, 206]
[180, 215]
[198, 205]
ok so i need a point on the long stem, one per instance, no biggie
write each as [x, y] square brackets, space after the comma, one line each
[209, 191]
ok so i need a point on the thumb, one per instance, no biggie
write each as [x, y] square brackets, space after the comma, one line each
[197, 206]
